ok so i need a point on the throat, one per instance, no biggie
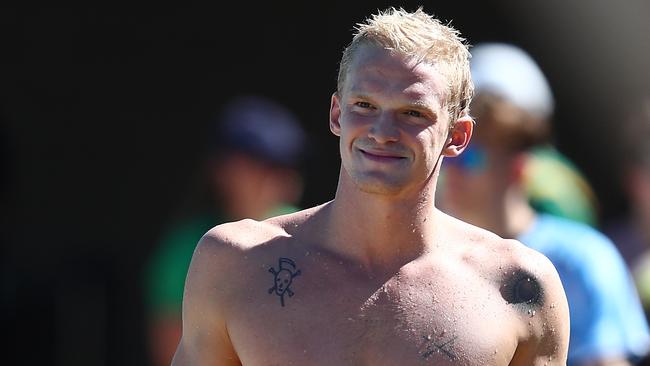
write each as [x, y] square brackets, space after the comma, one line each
[382, 238]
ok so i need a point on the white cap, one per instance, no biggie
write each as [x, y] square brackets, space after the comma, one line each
[511, 73]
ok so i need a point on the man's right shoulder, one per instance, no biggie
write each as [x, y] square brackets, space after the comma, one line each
[223, 255]
[240, 235]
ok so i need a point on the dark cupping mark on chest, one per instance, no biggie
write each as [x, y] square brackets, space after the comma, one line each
[520, 287]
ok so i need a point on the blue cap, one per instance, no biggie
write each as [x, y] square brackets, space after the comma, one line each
[263, 128]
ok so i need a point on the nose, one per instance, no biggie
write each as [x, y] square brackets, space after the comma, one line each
[384, 130]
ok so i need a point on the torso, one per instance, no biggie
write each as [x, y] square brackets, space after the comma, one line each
[451, 309]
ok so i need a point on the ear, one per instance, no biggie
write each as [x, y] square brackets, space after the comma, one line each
[459, 136]
[335, 115]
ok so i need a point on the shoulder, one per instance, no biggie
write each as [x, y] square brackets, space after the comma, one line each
[219, 267]
[531, 287]
[241, 235]
[486, 250]
[487, 246]
[223, 247]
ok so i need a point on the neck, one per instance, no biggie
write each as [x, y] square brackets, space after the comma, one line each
[381, 231]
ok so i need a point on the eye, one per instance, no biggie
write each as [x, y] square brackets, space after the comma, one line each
[413, 113]
[363, 105]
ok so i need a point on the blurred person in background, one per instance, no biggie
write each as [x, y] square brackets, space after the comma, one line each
[496, 184]
[631, 232]
[253, 172]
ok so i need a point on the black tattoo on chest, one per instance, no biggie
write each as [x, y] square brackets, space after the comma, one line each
[283, 277]
[440, 345]
[521, 287]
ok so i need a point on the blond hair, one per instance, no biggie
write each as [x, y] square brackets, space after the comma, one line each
[421, 36]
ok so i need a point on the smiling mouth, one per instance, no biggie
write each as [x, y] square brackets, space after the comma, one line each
[381, 156]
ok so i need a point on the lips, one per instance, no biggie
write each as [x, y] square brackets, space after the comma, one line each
[381, 155]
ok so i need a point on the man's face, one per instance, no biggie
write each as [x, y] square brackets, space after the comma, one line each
[391, 121]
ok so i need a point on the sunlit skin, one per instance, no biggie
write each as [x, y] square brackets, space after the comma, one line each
[391, 124]
[385, 277]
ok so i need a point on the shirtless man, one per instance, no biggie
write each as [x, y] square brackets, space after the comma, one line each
[378, 275]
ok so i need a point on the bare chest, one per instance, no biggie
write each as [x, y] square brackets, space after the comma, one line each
[324, 314]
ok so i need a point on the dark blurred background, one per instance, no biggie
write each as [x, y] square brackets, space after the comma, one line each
[105, 113]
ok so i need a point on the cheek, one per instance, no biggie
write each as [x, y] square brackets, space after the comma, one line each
[429, 147]
[351, 127]
[353, 121]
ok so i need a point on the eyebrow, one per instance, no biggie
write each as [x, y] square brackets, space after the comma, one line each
[416, 104]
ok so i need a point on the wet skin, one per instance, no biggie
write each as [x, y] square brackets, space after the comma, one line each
[470, 304]
[384, 277]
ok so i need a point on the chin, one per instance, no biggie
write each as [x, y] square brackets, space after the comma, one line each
[380, 184]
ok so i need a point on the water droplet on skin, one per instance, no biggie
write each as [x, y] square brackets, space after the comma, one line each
[495, 352]
[428, 337]
[552, 306]
[532, 313]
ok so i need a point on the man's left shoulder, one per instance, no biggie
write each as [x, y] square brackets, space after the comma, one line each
[529, 259]
[533, 286]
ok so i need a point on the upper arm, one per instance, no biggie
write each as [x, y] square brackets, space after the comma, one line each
[554, 315]
[205, 339]
[546, 339]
